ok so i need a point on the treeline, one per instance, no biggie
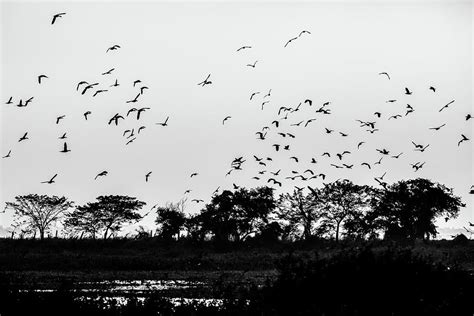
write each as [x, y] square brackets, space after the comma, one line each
[341, 209]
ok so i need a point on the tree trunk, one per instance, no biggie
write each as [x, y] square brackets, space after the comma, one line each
[337, 231]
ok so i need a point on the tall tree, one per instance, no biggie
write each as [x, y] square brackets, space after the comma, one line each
[38, 212]
[300, 212]
[408, 209]
[107, 214]
[342, 200]
[233, 216]
[170, 219]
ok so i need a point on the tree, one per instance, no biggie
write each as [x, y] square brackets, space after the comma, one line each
[408, 209]
[85, 219]
[299, 211]
[38, 212]
[343, 200]
[171, 219]
[106, 215]
[236, 215]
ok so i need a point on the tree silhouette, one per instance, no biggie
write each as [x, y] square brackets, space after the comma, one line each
[107, 214]
[408, 209]
[299, 212]
[38, 212]
[85, 219]
[171, 219]
[342, 200]
[237, 215]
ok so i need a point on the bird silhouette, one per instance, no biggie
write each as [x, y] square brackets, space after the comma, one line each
[397, 156]
[313, 160]
[277, 147]
[294, 158]
[89, 86]
[130, 141]
[140, 129]
[116, 84]
[379, 161]
[437, 128]
[7, 155]
[63, 136]
[60, 118]
[304, 32]
[275, 182]
[422, 149]
[147, 176]
[309, 121]
[98, 91]
[407, 91]
[383, 151]
[136, 81]
[101, 174]
[378, 114]
[394, 116]
[446, 105]
[252, 65]
[80, 84]
[9, 101]
[116, 118]
[57, 15]
[290, 40]
[261, 135]
[243, 47]
[343, 134]
[165, 123]
[194, 174]
[134, 100]
[197, 200]
[366, 164]
[41, 77]
[253, 94]
[114, 47]
[468, 117]
[386, 74]
[86, 114]
[432, 89]
[24, 137]
[391, 101]
[463, 139]
[205, 81]
[360, 144]
[50, 181]
[347, 166]
[108, 72]
[142, 89]
[65, 149]
[329, 131]
[326, 154]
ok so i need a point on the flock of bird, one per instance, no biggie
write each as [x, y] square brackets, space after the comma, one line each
[276, 127]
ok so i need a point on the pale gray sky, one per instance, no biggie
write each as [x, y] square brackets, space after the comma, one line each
[171, 47]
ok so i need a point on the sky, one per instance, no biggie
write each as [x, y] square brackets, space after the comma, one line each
[172, 46]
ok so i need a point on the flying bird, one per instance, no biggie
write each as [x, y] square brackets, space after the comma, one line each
[57, 15]
[90, 86]
[303, 32]
[165, 123]
[24, 137]
[366, 164]
[7, 155]
[143, 89]
[147, 176]
[114, 47]
[445, 106]
[194, 174]
[108, 72]
[9, 101]
[101, 174]
[386, 74]
[50, 181]
[86, 114]
[116, 84]
[116, 118]
[360, 144]
[243, 47]
[225, 119]
[41, 77]
[99, 91]
[463, 139]
[65, 149]
[437, 128]
[60, 118]
[197, 200]
[252, 65]
[205, 81]
[253, 94]
[290, 40]
[80, 84]
[407, 91]
[134, 100]
[136, 81]
[63, 136]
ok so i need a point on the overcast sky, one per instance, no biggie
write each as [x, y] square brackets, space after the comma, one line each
[171, 47]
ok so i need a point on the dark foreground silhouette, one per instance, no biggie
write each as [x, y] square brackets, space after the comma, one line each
[358, 281]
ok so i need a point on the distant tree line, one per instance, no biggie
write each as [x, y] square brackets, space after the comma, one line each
[404, 210]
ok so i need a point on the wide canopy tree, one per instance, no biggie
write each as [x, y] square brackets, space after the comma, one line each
[35, 212]
[408, 209]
